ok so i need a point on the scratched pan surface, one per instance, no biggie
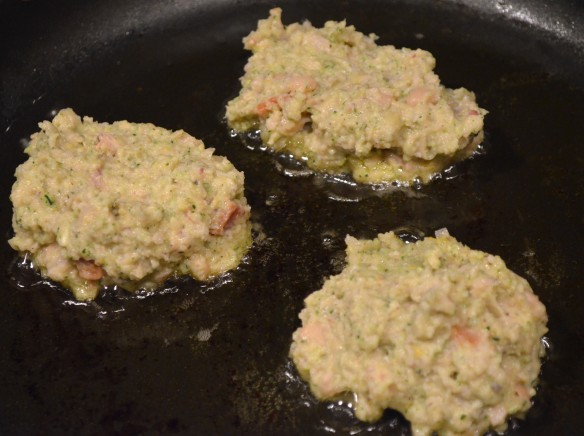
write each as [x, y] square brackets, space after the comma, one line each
[212, 358]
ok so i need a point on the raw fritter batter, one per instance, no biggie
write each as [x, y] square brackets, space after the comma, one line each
[444, 334]
[334, 98]
[127, 204]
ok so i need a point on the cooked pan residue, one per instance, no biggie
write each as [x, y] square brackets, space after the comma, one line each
[335, 99]
[126, 204]
[444, 334]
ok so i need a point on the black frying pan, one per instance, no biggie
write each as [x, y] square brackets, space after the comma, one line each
[212, 358]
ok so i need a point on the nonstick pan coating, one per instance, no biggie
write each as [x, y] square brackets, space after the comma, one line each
[212, 358]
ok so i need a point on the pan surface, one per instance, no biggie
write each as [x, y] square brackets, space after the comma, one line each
[213, 358]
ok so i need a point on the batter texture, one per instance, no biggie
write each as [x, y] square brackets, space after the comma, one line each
[335, 99]
[126, 204]
[444, 334]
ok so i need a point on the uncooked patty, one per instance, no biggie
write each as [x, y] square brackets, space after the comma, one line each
[126, 204]
[444, 334]
[343, 104]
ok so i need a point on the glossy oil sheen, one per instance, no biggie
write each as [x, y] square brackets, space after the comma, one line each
[212, 358]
